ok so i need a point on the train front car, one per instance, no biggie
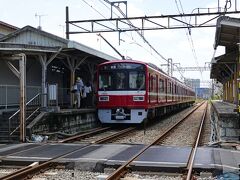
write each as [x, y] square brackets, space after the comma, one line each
[122, 92]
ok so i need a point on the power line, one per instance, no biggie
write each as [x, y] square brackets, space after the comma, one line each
[113, 24]
[152, 19]
[131, 35]
[93, 8]
[145, 40]
[138, 34]
[189, 37]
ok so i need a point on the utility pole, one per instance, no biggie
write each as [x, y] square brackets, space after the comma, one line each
[169, 66]
[170, 62]
[67, 23]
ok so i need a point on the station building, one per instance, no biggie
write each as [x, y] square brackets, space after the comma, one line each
[49, 60]
[225, 69]
[40, 68]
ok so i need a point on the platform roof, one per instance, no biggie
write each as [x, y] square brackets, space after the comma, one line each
[29, 38]
[223, 67]
[227, 34]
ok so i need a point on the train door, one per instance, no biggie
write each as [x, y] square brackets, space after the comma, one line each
[156, 89]
[181, 93]
[173, 92]
[149, 87]
[161, 87]
[153, 89]
[169, 91]
[178, 91]
[166, 90]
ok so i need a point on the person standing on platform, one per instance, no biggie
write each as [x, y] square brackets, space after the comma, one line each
[88, 90]
[78, 93]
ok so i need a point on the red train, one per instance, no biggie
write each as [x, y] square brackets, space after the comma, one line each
[133, 91]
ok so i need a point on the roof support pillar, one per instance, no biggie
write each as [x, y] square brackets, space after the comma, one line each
[72, 80]
[238, 84]
[92, 69]
[73, 64]
[43, 61]
[224, 92]
[21, 75]
[22, 68]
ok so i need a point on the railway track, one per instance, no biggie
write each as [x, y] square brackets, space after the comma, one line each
[90, 138]
[100, 135]
[36, 168]
[123, 170]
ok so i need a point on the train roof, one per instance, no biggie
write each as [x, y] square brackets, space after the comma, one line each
[126, 61]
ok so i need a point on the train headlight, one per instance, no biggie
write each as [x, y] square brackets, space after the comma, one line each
[103, 98]
[138, 98]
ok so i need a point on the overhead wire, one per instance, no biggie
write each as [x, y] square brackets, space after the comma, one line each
[134, 41]
[126, 33]
[189, 37]
[93, 8]
[145, 40]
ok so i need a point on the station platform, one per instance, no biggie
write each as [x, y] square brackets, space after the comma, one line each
[69, 121]
[98, 157]
[225, 109]
[226, 121]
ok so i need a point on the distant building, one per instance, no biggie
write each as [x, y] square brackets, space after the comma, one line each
[6, 29]
[194, 83]
[204, 93]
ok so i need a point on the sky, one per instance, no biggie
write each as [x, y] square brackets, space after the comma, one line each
[173, 44]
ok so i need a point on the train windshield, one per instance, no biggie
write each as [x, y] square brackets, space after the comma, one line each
[122, 76]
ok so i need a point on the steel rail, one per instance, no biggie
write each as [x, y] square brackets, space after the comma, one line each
[29, 171]
[80, 136]
[194, 149]
[116, 175]
[115, 135]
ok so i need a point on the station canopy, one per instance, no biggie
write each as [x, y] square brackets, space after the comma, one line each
[31, 40]
[227, 34]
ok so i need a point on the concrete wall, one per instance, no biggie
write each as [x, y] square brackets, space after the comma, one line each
[226, 121]
[69, 122]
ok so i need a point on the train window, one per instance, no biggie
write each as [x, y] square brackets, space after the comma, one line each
[161, 85]
[136, 80]
[152, 83]
[122, 66]
[105, 81]
[169, 88]
[120, 80]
